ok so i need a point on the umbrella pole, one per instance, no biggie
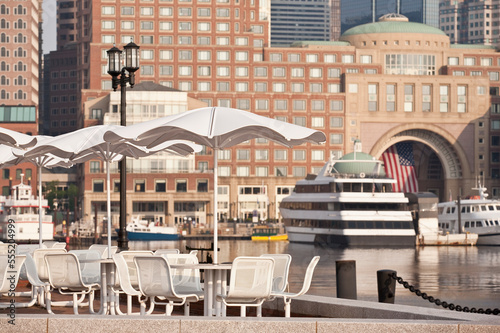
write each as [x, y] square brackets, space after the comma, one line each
[40, 222]
[216, 236]
[109, 207]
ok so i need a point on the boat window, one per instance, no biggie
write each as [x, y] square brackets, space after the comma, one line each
[496, 222]
[379, 225]
[490, 207]
[453, 210]
[367, 187]
[440, 210]
[479, 224]
[497, 207]
[356, 187]
[448, 210]
[346, 187]
[468, 209]
[483, 208]
[466, 224]
[463, 209]
[369, 224]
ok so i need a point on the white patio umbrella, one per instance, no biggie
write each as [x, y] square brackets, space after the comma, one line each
[217, 128]
[46, 160]
[88, 143]
[16, 139]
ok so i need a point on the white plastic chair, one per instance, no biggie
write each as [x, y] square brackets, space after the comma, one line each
[280, 272]
[185, 280]
[103, 250]
[91, 271]
[287, 296]
[132, 268]
[65, 275]
[38, 257]
[7, 266]
[160, 252]
[155, 280]
[250, 283]
[54, 245]
[123, 285]
[38, 287]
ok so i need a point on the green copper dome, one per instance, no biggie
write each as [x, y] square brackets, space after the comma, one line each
[393, 23]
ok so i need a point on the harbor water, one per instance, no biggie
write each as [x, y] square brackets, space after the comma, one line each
[466, 276]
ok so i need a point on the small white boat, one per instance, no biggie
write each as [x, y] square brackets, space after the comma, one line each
[142, 230]
[21, 209]
[477, 215]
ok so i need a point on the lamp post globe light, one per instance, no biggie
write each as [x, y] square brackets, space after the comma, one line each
[121, 75]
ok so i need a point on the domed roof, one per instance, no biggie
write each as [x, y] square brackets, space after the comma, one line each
[390, 24]
[358, 162]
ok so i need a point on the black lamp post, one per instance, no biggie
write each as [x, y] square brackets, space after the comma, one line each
[121, 75]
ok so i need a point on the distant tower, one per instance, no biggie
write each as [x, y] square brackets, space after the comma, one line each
[357, 12]
[304, 20]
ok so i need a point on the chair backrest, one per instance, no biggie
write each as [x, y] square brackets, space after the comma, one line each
[38, 257]
[7, 268]
[28, 248]
[281, 270]
[166, 251]
[308, 277]
[91, 271]
[103, 250]
[132, 269]
[251, 277]
[122, 275]
[59, 245]
[31, 272]
[154, 276]
[188, 278]
[64, 270]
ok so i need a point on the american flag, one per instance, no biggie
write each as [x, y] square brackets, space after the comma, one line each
[400, 165]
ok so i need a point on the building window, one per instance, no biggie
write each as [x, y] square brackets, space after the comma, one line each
[372, 97]
[462, 99]
[299, 171]
[160, 185]
[261, 154]
[139, 185]
[261, 171]
[408, 104]
[280, 171]
[98, 185]
[180, 185]
[243, 154]
[280, 154]
[347, 58]
[299, 105]
[202, 185]
[317, 122]
[336, 122]
[95, 167]
[336, 105]
[336, 139]
[301, 121]
[224, 171]
[299, 155]
[443, 98]
[468, 61]
[242, 171]
[453, 61]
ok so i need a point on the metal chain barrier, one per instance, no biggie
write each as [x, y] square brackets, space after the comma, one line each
[438, 302]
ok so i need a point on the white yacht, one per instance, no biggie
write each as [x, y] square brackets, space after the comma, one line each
[20, 211]
[349, 202]
[477, 215]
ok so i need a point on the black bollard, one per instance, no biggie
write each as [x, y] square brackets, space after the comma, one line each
[346, 279]
[386, 286]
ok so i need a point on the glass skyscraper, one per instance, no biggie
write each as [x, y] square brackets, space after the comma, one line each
[357, 12]
[304, 20]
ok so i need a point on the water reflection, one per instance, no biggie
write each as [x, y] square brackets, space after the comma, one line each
[468, 276]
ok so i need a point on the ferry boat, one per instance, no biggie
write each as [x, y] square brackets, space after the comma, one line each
[349, 202]
[22, 208]
[476, 214]
[266, 233]
[141, 230]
